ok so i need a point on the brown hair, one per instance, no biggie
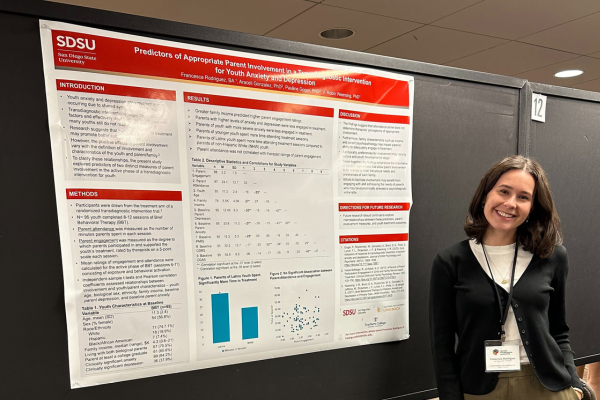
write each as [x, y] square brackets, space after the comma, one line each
[541, 233]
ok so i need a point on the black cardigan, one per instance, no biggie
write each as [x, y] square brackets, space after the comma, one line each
[463, 301]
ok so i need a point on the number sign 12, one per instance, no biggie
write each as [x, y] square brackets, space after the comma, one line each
[538, 107]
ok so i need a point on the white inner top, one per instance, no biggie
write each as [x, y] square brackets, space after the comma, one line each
[501, 258]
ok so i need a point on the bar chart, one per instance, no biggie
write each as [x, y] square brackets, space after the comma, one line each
[221, 319]
[249, 323]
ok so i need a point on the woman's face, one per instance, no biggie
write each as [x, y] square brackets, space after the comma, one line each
[509, 202]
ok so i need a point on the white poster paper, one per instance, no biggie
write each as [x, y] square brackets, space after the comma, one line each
[218, 207]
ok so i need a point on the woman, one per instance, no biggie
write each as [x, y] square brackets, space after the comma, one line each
[513, 257]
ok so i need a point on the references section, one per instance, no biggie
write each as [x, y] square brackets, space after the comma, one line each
[374, 296]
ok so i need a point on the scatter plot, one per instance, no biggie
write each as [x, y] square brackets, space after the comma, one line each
[304, 315]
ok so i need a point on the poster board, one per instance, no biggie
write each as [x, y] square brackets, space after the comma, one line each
[567, 145]
[217, 207]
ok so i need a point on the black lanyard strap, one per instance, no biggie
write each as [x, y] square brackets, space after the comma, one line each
[504, 313]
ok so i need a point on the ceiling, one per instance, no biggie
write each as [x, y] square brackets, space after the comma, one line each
[530, 39]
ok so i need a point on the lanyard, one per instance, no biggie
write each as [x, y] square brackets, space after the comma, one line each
[510, 292]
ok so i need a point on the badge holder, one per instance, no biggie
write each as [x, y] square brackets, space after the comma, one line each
[502, 355]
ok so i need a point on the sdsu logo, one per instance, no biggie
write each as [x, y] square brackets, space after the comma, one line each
[71, 42]
[345, 313]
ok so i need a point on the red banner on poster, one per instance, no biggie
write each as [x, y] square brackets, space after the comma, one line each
[79, 51]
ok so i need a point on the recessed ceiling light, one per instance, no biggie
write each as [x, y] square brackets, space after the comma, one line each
[568, 73]
[336, 33]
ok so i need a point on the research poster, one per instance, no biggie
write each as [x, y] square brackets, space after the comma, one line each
[218, 207]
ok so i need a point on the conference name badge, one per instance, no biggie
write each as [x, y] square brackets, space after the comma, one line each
[502, 356]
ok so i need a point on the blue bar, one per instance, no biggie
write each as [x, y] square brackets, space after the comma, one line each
[250, 323]
[220, 317]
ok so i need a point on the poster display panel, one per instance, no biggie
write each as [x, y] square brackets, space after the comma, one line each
[218, 207]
